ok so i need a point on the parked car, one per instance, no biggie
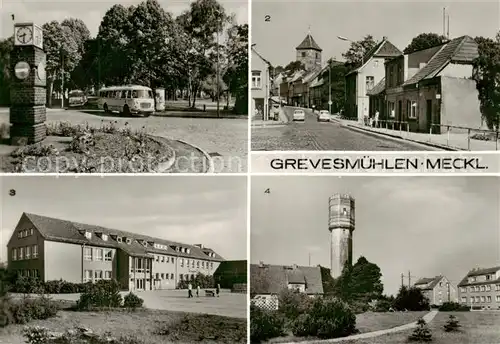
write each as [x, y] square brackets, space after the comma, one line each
[324, 116]
[299, 115]
[77, 98]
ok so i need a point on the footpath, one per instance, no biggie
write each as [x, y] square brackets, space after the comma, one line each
[280, 122]
[428, 318]
[450, 141]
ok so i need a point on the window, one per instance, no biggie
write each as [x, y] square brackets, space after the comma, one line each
[483, 299]
[157, 258]
[391, 108]
[488, 287]
[28, 252]
[171, 276]
[30, 231]
[211, 265]
[129, 241]
[317, 55]
[97, 275]
[478, 299]
[88, 276]
[107, 275]
[182, 262]
[162, 276]
[256, 79]
[203, 264]
[98, 255]
[34, 273]
[187, 263]
[472, 300]
[192, 263]
[157, 275]
[104, 237]
[163, 259]
[180, 277]
[21, 253]
[463, 290]
[303, 54]
[464, 299]
[87, 253]
[34, 251]
[108, 256]
[172, 260]
[497, 298]
[483, 288]
[19, 234]
[197, 263]
[119, 239]
[370, 82]
[488, 277]
[488, 298]
[88, 235]
[413, 109]
[168, 259]
[14, 254]
[497, 287]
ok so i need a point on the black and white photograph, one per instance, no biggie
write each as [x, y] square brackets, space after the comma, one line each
[137, 86]
[375, 75]
[150, 260]
[375, 260]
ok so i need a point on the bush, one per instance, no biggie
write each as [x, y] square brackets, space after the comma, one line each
[41, 335]
[382, 306]
[30, 285]
[421, 332]
[204, 281]
[102, 294]
[264, 324]
[452, 324]
[411, 299]
[453, 307]
[327, 318]
[132, 301]
[27, 309]
[292, 304]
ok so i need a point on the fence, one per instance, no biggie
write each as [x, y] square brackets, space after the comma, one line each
[451, 136]
[267, 302]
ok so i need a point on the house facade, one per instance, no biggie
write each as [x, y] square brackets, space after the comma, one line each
[362, 79]
[480, 288]
[268, 281]
[437, 289]
[429, 89]
[260, 86]
[54, 249]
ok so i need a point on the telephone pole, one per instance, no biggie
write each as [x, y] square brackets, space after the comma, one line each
[309, 259]
[402, 279]
[409, 279]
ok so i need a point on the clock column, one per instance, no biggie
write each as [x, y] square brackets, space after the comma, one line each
[28, 93]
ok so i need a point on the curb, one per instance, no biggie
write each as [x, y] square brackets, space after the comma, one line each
[396, 137]
[211, 167]
[168, 163]
[199, 116]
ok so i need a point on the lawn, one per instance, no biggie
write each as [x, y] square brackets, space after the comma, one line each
[152, 326]
[477, 327]
[368, 322]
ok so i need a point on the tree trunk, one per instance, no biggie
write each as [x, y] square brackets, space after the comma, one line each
[194, 95]
[51, 89]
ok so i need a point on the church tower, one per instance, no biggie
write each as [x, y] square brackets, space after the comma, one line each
[309, 53]
[341, 223]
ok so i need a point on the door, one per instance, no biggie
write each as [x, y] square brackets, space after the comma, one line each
[428, 114]
[400, 111]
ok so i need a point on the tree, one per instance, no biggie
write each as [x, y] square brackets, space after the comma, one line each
[424, 41]
[421, 332]
[411, 299]
[487, 76]
[452, 325]
[293, 67]
[358, 50]
[236, 75]
[6, 47]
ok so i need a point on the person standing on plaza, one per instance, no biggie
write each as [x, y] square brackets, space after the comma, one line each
[198, 290]
[190, 290]
[217, 290]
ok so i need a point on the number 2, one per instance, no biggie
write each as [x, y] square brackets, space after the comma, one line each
[267, 18]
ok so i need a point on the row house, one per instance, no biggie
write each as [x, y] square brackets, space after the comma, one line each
[55, 249]
[261, 86]
[362, 79]
[480, 288]
[426, 90]
[437, 290]
[326, 82]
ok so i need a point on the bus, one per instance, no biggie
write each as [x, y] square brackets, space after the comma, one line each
[127, 100]
[76, 98]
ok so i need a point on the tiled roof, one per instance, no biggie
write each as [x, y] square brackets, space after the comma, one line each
[272, 279]
[433, 281]
[459, 50]
[54, 229]
[297, 75]
[382, 49]
[308, 43]
[377, 89]
[260, 56]
[479, 272]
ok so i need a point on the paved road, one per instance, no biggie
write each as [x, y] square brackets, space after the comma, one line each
[225, 139]
[313, 135]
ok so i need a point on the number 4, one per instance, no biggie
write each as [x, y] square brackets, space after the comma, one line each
[268, 191]
[267, 18]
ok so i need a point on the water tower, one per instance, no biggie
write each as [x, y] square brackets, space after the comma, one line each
[341, 223]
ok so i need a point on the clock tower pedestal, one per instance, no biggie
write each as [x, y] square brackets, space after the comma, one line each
[28, 93]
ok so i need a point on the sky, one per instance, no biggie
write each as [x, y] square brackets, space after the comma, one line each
[193, 210]
[91, 12]
[399, 20]
[426, 225]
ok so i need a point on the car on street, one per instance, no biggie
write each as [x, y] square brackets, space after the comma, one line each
[299, 115]
[324, 116]
[127, 100]
[77, 98]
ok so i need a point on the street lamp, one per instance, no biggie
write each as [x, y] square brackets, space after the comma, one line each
[330, 86]
[342, 38]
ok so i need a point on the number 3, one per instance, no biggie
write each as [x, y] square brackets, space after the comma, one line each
[267, 18]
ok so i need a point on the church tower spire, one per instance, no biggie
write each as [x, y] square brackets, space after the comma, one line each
[309, 52]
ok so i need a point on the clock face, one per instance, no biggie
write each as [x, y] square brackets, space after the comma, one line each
[41, 70]
[24, 35]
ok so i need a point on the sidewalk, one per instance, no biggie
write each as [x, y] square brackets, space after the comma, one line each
[452, 141]
[428, 318]
[282, 120]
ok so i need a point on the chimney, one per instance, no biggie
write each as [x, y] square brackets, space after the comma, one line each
[261, 264]
[198, 245]
[384, 38]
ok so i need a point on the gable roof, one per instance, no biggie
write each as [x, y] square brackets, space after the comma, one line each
[433, 281]
[54, 229]
[459, 50]
[377, 89]
[272, 279]
[479, 272]
[308, 43]
[383, 49]
[260, 56]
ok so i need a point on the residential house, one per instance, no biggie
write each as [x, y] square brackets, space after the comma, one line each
[54, 249]
[437, 289]
[428, 89]
[480, 288]
[362, 79]
[268, 281]
[325, 83]
[261, 86]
